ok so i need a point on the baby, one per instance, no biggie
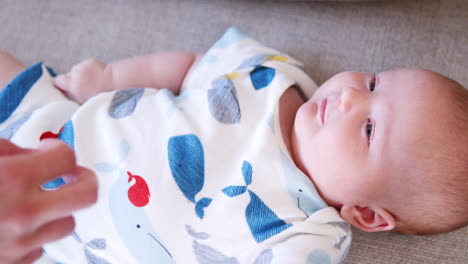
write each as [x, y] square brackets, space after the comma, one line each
[175, 165]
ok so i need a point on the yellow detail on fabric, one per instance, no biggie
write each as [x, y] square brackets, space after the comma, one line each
[232, 75]
[279, 58]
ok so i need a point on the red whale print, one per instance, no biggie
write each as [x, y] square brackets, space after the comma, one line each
[49, 134]
[138, 193]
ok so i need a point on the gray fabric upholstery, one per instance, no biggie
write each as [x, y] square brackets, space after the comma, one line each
[328, 36]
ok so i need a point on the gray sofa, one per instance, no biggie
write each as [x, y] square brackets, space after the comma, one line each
[327, 36]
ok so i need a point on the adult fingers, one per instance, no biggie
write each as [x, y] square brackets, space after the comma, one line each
[27, 214]
[30, 257]
[62, 202]
[53, 159]
[15, 170]
[21, 172]
[49, 232]
[8, 148]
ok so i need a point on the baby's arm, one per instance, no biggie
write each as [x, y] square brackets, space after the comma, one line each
[158, 70]
[9, 68]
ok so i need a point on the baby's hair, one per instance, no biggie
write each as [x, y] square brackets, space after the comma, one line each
[447, 208]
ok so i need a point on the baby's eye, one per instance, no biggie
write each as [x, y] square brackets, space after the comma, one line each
[369, 129]
[372, 85]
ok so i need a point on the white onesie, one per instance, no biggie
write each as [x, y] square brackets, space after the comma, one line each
[202, 177]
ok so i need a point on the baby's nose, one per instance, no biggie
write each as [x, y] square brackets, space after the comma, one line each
[348, 98]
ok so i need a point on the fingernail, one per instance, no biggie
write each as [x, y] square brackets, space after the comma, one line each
[69, 178]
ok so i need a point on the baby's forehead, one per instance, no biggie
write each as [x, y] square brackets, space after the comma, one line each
[416, 75]
[416, 89]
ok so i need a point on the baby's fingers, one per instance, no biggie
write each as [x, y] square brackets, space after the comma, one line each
[62, 82]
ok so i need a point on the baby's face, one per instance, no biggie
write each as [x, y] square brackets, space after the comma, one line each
[355, 136]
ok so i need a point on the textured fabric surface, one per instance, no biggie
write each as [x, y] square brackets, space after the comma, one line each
[329, 37]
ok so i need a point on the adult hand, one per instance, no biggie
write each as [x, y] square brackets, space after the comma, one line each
[29, 215]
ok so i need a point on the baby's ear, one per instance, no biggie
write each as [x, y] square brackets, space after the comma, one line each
[369, 219]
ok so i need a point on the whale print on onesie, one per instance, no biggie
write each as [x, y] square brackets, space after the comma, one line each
[128, 196]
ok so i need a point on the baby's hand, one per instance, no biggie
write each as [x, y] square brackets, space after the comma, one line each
[85, 80]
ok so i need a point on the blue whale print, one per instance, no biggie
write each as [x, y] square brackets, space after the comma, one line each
[346, 237]
[95, 244]
[262, 221]
[300, 188]
[134, 226]
[131, 222]
[206, 254]
[265, 257]
[67, 135]
[124, 102]
[187, 163]
[318, 256]
[262, 76]
[223, 101]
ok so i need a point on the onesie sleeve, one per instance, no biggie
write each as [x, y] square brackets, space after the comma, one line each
[235, 52]
[327, 242]
[15, 92]
[30, 106]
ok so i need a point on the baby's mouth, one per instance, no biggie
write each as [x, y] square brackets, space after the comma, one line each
[323, 109]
